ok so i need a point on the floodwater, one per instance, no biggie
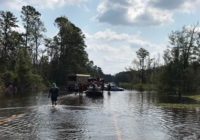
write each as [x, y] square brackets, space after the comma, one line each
[124, 115]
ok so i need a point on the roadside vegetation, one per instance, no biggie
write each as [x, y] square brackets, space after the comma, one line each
[30, 61]
[177, 76]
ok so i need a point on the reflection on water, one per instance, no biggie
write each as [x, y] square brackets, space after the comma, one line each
[126, 115]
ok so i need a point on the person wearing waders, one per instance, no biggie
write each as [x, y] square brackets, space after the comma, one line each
[53, 93]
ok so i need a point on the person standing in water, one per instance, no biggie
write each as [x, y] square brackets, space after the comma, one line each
[54, 93]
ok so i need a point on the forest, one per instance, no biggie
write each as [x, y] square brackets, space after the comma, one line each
[178, 74]
[30, 61]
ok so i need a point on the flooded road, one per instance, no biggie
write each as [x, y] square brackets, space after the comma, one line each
[125, 115]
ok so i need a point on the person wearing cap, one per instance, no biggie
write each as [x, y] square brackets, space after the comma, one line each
[53, 93]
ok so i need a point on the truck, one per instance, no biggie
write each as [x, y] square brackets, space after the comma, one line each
[77, 82]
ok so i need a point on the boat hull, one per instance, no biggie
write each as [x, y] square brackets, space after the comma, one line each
[94, 93]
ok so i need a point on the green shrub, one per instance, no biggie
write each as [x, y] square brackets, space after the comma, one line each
[2, 87]
[36, 82]
[8, 77]
[30, 82]
[144, 87]
[126, 85]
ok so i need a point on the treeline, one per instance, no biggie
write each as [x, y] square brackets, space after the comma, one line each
[29, 60]
[178, 74]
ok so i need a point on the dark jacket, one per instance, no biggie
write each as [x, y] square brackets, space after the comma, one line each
[54, 92]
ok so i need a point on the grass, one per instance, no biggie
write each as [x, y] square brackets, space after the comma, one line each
[139, 86]
[126, 85]
[179, 105]
[194, 97]
[186, 104]
[187, 101]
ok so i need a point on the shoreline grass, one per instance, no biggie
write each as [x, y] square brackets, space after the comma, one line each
[183, 105]
[178, 105]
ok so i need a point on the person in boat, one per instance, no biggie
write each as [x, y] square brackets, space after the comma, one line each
[93, 86]
[76, 88]
[54, 93]
[102, 85]
[109, 87]
[80, 87]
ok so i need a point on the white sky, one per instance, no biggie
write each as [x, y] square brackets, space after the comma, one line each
[116, 29]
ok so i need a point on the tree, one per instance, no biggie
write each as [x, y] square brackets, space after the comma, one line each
[34, 29]
[52, 48]
[44, 68]
[142, 54]
[26, 80]
[38, 35]
[16, 41]
[25, 64]
[23, 69]
[71, 49]
[7, 22]
[179, 73]
[27, 16]
[185, 45]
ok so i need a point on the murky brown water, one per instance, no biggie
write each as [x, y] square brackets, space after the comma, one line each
[126, 115]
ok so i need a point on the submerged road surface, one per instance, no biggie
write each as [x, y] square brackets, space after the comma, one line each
[126, 115]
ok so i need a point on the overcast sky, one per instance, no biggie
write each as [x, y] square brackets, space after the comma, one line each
[116, 29]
